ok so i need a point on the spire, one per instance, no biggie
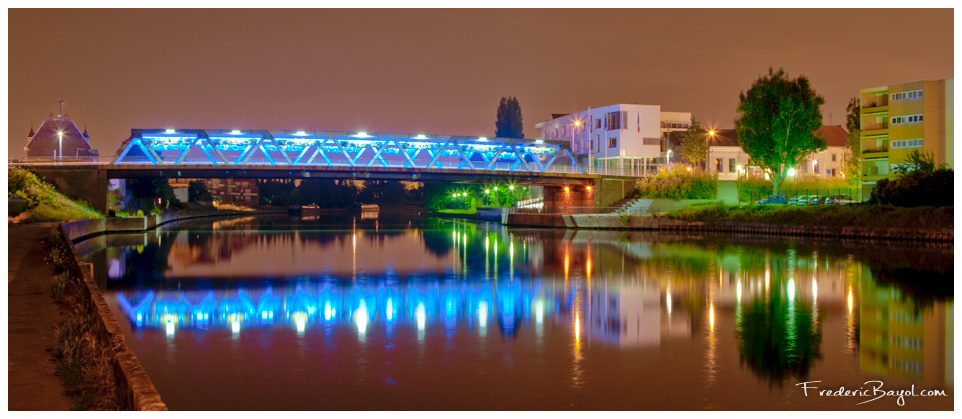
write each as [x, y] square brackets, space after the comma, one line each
[31, 134]
[85, 132]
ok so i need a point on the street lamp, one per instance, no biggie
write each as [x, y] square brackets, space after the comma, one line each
[669, 157]
[814, 163]
[738, 183]
[60, 136]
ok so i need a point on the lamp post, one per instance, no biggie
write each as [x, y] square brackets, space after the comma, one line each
[738, 184]
[711, 133]
[814, 163]
[577, 124]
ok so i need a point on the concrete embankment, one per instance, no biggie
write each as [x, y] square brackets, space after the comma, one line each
[132, 380]
[648, 222]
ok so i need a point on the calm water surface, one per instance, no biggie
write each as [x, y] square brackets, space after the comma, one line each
[401, 312]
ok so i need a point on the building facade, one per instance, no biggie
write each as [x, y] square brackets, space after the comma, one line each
[725, 155]
[629, 139]
[59, 138]
[901, 118]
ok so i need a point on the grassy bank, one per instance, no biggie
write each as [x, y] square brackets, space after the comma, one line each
[82, 353]
[870, 216]
[44, 201]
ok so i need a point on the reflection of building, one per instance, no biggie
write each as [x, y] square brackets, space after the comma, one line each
[899, 338]
[901, 118]
[626, 314]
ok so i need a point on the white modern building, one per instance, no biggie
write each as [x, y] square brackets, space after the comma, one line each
[629, 139]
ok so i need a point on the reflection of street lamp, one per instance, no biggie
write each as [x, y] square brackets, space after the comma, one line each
[669, 157]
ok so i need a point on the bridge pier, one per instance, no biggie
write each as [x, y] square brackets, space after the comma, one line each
[89, 184]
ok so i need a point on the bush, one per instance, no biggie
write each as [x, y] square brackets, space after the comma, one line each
[752, 189]
[916, 189]
[678, 183]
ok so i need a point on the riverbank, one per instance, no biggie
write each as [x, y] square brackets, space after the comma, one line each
[35, 316]
[877, 223]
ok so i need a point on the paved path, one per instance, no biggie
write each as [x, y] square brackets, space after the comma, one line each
[32, 316]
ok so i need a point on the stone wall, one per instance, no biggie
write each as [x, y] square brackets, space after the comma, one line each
[647, 222]
[80, 183]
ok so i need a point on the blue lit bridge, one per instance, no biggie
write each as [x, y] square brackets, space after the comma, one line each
[267, 154]
[342, 149]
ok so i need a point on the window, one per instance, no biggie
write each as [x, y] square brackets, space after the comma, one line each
[916, 143]
[612, 142]
[731, 165]
[614, 120]
[718, 165]
[908, 119]
[915, 94]
[833, 157]
[598, 124]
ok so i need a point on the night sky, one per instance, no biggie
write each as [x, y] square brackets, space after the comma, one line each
[439, 71]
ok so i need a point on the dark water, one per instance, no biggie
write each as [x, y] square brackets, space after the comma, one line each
[405, 313]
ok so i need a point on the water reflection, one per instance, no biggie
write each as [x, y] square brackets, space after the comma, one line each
[442, 285]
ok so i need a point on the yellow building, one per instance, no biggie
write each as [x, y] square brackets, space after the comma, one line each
[901, 118]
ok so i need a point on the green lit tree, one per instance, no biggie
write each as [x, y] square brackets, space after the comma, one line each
[694, 146]
[508, 124]
[853, 153]
[778, 123]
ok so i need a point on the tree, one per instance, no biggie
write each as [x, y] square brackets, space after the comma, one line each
[197, 191]
[915, 162]
[508, 124]
[853, 155]
[694, 146]
[778, 123]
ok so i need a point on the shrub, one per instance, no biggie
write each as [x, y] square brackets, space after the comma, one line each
[752, 189]
[916, 189]
[678, 183]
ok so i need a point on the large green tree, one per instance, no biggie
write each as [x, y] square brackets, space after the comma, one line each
[853, 154]
[508, 124]
[778, 123]
[694, 146]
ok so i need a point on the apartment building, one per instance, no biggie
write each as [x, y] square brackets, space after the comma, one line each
[629, 139]
[901, 118]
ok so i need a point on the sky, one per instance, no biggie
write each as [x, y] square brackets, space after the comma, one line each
[438, 71]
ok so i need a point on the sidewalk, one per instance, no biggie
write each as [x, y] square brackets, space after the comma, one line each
[32, 316]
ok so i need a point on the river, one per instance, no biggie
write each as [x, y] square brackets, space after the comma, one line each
[404, 312]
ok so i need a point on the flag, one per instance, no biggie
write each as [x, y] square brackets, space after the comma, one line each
[639, 121]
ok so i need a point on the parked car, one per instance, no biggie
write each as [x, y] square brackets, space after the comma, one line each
[772, 199]
[800, 200]
[816, 200]
[840, 199]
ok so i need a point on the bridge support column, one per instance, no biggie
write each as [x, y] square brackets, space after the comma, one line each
[89, 184]
[569, 198]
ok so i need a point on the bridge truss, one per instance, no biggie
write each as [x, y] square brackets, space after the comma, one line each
[342, 149]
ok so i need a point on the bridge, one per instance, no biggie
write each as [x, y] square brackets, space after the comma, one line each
[267, 154]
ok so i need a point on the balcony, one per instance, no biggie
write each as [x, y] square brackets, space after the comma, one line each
[871, 101]
[873, 129]
[875, 153]
[869, 110]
